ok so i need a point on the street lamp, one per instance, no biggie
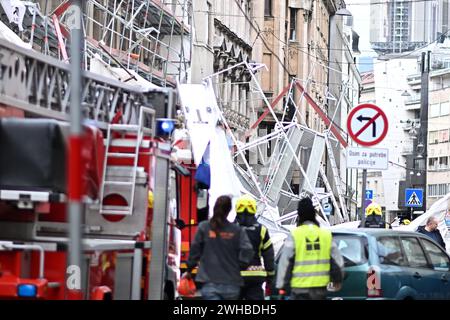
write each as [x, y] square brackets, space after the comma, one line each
[343, 12]
[406, 94]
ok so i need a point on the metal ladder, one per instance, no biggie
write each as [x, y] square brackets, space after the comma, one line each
[139, 130]
[343, 215]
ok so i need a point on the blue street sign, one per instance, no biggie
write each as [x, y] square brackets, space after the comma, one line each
[369, 194]
[414, 198]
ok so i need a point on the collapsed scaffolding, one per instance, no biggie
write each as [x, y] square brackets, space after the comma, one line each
[148, 39]
[294, 146]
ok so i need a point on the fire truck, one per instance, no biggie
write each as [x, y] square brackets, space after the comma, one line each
[131, 245]
[192, 195]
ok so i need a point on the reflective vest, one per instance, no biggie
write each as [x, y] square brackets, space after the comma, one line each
[312, 257]
[257, 235]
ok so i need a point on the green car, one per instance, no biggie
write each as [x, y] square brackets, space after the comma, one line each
[389, 264]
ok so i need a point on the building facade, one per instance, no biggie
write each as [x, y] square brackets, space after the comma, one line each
[344, 82]
[389, 90]
[299, 46]
[429, 166]
[438, 149]
[399, 26]
[224, 36]
[149, 37]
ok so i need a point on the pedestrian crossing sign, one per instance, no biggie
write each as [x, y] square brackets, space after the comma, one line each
[414, 198]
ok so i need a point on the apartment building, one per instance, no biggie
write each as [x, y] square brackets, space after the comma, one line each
[438, 149]
[225, 35]
[399, 26]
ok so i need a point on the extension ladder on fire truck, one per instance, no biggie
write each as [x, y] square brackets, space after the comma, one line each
[128, 184]
[40, 85]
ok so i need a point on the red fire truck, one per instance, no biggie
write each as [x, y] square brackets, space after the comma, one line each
[192, 195]
[130, 247]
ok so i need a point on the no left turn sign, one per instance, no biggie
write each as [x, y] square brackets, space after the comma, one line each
[367, 124]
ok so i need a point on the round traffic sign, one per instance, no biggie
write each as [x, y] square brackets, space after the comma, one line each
[367, 124]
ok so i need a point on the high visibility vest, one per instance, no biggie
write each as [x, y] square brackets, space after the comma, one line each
[257, 234]
[312, 257]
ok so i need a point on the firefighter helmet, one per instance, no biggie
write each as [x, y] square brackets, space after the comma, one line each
[406, 222]
[373, 208]
[246, 203]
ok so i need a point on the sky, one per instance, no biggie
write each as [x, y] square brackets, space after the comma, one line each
[360, 10]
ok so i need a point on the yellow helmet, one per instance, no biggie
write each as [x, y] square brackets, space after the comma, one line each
[373, 208]
[406, 221]
[246, 203]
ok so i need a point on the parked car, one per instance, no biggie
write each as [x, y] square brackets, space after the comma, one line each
[389, 264]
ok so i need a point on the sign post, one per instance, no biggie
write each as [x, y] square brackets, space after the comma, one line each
[369, 194]
[414, 198]
[75, 208]
[364, 182]
[367, 125]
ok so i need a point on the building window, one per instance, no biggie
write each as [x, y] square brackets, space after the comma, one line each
[443, 135]
[432, 190]
[433, 137]
[210, 25]
[432, 163]
[445, 109]
[419, 164]
[434, 110]
[268, 8]
[293, 24]
[443, 162]
[267, 75]
[444, 15]
[438, 190]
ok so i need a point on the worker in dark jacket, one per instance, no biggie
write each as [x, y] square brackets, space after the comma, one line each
[374, 218]
[310, 260]
[255, 275]
[431, 230]
[221, 249]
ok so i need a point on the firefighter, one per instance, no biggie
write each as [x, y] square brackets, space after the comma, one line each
[374, 218]
[310, 261]
[255, 275]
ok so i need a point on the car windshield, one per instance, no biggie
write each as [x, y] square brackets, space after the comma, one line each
[351, 248]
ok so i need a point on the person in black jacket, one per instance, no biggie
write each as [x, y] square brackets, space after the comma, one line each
[255, 274]
[431, 230]
[221, 249]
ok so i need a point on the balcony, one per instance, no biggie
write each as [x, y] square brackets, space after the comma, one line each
[411, 124]
[413, 79]
[439, 167]
[407, 149]
[412, 102]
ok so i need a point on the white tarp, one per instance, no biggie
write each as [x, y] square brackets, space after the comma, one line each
[224, 180]
[201, 116]
[15, 11]
[100, 67]
[6, 34]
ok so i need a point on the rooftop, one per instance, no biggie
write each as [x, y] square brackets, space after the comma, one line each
[367, 77]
